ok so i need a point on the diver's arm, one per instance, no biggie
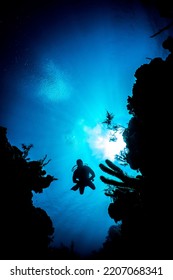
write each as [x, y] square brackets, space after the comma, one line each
[75, 178]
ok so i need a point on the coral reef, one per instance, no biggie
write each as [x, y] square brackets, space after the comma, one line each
[26, 230]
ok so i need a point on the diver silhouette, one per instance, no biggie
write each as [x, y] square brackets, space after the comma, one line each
[83, 176]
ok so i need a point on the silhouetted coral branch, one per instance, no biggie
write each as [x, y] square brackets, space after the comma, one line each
[112, 182]
[114, 170]
[162, 29]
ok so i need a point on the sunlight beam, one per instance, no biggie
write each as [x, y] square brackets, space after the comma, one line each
[99, 141]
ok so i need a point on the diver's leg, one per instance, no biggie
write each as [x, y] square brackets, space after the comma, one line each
[91, 185]
[81, 189]
[75, 187]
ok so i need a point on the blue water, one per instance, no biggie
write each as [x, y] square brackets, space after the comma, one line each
[69, 67]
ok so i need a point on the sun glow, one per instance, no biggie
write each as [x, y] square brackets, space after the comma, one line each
[99, 140]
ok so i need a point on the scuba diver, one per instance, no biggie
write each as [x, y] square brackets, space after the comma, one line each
[82, 178]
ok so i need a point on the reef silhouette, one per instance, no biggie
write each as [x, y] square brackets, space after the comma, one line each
[26, 230]
[141, 206]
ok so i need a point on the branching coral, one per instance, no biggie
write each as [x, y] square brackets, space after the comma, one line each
[125, 192]
[126, 181]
